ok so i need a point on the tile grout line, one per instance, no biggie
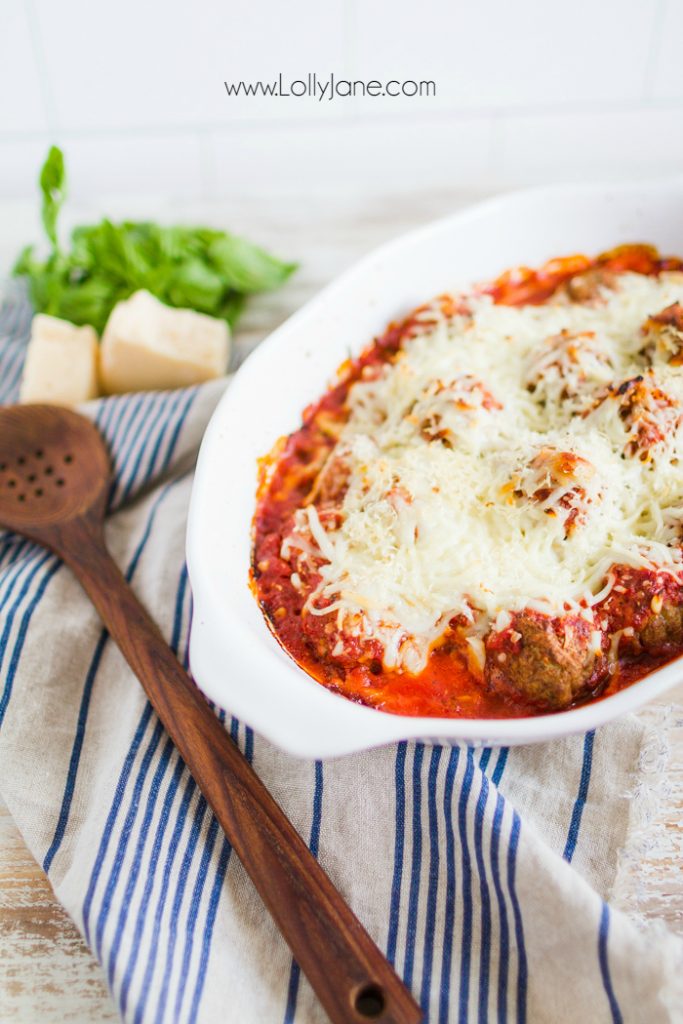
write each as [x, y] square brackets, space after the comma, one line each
[39, 55]
[284, 125]
[654, 49]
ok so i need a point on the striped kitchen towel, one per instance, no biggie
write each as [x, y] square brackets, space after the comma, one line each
[485, 875]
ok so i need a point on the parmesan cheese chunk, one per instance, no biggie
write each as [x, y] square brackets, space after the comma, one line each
[148, 346]
[61, 363]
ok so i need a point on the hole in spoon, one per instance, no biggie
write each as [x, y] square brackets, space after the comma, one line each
[39, 453]
[49, 471]
[21, 460]
[369, 1002]
[59, 482]
[21, 497]
[68, 459]
[38, 492]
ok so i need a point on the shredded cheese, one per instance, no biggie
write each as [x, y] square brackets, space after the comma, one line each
[494, 466]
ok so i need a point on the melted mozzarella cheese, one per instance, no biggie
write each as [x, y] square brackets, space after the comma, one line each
[473, 494]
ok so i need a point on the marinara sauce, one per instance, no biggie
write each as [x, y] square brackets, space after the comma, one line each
[446, 687]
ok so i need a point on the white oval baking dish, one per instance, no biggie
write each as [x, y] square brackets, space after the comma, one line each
[234, 657]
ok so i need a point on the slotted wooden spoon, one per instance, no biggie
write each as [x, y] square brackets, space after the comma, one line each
[54, 479]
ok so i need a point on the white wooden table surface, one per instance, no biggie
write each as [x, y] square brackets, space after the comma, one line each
[46, 972]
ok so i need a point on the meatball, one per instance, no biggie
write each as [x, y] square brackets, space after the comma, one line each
[340, 647]
[590, 286]
[663, 335]
[331, 483]
[566, 366]
[561, 484]
[646, 609]
[548, 661]
[663, 631]
[648, 414]
[445, 410]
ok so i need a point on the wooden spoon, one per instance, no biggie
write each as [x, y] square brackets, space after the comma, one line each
[54, 480]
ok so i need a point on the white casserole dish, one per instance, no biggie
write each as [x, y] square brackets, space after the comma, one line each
[234, 657]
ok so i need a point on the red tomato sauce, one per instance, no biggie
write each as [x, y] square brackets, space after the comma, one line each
[446, 687]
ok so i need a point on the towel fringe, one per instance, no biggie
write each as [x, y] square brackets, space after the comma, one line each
[635, 879]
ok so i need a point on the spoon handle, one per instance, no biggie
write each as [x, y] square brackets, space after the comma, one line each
[351, 977]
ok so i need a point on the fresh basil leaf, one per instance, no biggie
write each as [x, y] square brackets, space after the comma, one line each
[25, 263]
[88, 303]
[53, 187]
[194, 267]
[246, 267]
[232, 306]
[196, 285]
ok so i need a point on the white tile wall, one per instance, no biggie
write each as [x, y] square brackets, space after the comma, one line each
[144, 163]
[22, 107]
[574, 146]
[526, 91]
[20, 161]
[134, 64]
[667, 65]
[372, 155]
[503, 55]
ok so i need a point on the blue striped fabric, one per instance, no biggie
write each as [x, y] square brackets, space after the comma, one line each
[151, 881]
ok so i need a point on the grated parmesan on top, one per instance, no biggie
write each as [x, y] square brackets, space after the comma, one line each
[491, 470]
